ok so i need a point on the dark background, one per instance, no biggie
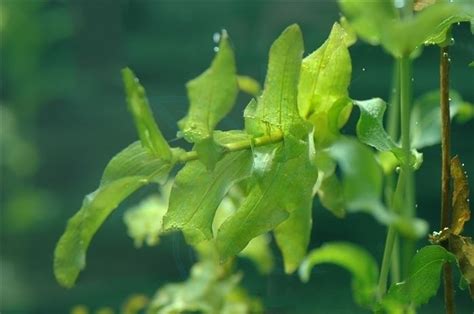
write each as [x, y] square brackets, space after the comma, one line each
[63, 116]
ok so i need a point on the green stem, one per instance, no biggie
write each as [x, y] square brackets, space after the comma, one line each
[387, 257]
[237, 146]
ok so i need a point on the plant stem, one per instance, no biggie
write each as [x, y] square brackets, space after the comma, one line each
[237, 146]
[408, 208]
[387, 256]
[445, 172]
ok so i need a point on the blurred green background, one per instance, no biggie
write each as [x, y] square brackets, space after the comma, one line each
[63, 116]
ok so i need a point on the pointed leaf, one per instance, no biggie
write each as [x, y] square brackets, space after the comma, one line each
[423, 278]
[370, 131]
[211, 95]
[131, 169]
[293, 235]
[249, 85]
[271, 198]
[197, 193]
[148, 131]
[277, 106]
[461, 212]
[324, 81]
[353, 258]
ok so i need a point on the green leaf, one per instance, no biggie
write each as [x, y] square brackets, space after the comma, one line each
[248, 85]
[361, 178]
[324, 81]
[197, 193]
[293, 236]
[331, 196]
[281, 187]
[129, 170]
[423, 277]
[378, 22]
[425, 123]
[353, 258]
[211, 95]
[370, 130]
[148, 131]
[276, 108]
[259, 252]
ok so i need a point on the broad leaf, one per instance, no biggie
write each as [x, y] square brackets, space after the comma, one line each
[211, 95]
[370, 130]
[425, 121]
[131, 169]
[282, 186]
[197, 193]
[148, 131]
[353, 258]
[423, 277]
[276, 108]
[324, 80]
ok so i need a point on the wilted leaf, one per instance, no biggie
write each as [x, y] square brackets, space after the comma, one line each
[148, 131]
[370, 131]
[463, 248]
[129, 170]
[423, 277]
[419, 5]
[282, 186]
[324, 80]
[197, 193]
[276, 108]
[460, 204]
[425, 121]
[353, 258]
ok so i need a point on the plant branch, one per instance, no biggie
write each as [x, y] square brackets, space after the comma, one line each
[239, 145]
[445, 172]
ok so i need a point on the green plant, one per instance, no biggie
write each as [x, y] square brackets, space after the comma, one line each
[290, 150]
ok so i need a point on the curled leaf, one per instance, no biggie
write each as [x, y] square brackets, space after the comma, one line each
[463, 248]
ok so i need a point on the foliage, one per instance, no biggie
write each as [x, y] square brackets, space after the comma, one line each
[237, 186]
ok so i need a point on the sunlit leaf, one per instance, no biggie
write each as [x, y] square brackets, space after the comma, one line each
[272, 196]
[425, 121]
[249, 85]
[129, 170]
[197, 193]
[354, 259]
[463, 248]
[324, 80]
[148, 131]
[276, 108]
[423, 277]
[370, 130]
[211, 95]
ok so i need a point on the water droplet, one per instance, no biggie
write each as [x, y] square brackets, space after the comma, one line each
[216, 49]
[412, 79]
[462, 163]
[216, 37]
[468, 200]
[363, 69]
[445, 54]
[399, 4]
[449, 59]
[451, 41]
[459, 23]
[397, 169]
[416, 205]
[416, 123]
[449, 99]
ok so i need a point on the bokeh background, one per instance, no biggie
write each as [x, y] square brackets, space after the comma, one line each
[63, 116]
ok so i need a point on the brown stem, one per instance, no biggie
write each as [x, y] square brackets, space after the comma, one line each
[445, 172]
